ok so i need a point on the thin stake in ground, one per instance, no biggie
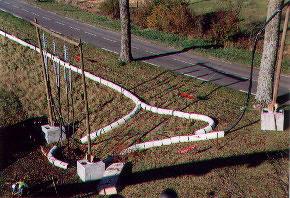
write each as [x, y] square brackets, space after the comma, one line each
[46, 78]
[89, 155]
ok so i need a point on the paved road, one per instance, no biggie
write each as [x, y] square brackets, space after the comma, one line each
[221, 73]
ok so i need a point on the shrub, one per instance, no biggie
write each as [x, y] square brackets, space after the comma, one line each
[141, 13]
[182, 19]
[226, 24]
[110, 8]
[219, 26]
[171, 16]
[159, 19]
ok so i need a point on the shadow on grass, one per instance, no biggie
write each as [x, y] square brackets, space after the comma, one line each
[79, 189]
[160, 83]
[200, 168]
[196, 2]
[169, 193]
[20, 138]
[209, 71]
[195, 168]
[207, 95]
[48, 1]
[244, 126]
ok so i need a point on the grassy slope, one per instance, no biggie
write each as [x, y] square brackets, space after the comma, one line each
[231, 54]
[252, 11]
[11, 111]
[225, 167]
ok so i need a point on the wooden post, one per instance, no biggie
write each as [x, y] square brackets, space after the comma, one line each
[273, 105]
[46, 79]
[89, 155]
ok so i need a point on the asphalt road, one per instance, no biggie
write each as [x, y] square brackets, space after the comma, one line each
[184, 62]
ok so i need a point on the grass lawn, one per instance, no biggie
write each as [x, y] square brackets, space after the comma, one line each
[251, 13]
[246, 163]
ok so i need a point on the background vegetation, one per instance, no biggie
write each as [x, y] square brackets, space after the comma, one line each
[230, 23]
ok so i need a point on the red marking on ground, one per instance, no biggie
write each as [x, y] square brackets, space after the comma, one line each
[186, 95]
[187, 149]
[78, 58]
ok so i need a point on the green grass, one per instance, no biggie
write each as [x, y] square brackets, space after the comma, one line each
[233, 166]
[11, 111]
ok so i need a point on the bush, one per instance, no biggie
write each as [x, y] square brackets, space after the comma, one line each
[175, 16]
[219, 26]
[110, 8]
[141, 13]
[171, 16]
[182, 19]
[159, 19]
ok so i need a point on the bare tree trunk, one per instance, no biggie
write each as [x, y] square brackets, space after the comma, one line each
[125, 54]
[268, 61]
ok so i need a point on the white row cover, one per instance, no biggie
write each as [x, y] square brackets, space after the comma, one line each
[55, 161]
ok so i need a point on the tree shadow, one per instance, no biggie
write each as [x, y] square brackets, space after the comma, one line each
[236, 77]
[282, 99]
[46, 189]
[244, 126]
[177, 52]
[169, 193]
[46, 1]
[79, 189]
[202, 167]
[206, 96]
[201, 1]
[127, 178]
[287, 119]
[20, 138]
[164, 81]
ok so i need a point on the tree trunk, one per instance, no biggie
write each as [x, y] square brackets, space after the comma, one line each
[268, 61]
[125, 54]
